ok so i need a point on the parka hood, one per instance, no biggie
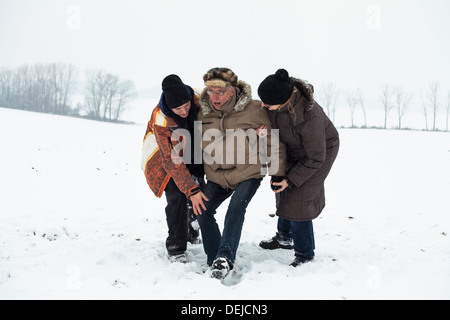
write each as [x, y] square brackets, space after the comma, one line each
[307, 91]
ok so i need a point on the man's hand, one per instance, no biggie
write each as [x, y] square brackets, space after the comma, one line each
[197, 202]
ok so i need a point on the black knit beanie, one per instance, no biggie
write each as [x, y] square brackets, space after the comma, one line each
[276, 88]
[175, 92]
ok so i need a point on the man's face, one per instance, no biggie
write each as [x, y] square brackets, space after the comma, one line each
[219, 96]
[183, 110]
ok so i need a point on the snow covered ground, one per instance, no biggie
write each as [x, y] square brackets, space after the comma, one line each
[78, 221]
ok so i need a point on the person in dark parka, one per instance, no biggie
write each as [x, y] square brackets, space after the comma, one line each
[312, 144]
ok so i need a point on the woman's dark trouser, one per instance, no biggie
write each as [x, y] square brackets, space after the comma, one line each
[302, 233]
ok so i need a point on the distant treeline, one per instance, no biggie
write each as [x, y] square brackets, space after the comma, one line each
[50, 88]
[394, 101]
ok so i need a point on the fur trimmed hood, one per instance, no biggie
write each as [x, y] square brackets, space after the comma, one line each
[243, 98]
[307, 91]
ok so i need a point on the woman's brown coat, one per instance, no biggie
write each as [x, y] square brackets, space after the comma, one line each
[312, 144]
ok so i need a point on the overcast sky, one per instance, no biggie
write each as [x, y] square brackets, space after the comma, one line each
[355, 43]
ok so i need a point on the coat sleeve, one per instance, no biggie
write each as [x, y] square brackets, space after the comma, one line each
[277, 150]
[314, 144]
[176, 169]
[274, 150]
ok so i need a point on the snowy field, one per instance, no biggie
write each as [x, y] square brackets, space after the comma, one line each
[78, 221]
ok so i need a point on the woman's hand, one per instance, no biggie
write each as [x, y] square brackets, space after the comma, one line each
[282, 186]
[262, 131]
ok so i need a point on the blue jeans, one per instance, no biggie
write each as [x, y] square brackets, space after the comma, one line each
[303, 235]
[225, 245]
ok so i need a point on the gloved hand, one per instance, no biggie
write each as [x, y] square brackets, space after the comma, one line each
[276, 179]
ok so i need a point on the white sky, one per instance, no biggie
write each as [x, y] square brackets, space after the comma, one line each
[355, 43]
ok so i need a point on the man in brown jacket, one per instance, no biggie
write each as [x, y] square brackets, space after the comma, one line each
[228, 113]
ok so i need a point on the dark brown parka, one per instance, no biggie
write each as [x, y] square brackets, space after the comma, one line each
[312, 144]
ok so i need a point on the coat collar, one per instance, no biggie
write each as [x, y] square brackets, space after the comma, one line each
[307, 92]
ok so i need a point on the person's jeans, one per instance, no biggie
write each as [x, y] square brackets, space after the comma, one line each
[303, 235]
[225, 245]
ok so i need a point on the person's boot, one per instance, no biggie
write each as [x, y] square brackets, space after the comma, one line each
[180, 258]
[297, 262]
[220, 268]
[276, 243]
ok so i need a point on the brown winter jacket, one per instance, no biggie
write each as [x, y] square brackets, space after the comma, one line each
[159, 161]
[244, 162]
[312, 144]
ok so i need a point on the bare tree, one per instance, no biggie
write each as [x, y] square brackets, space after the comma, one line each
[329, 95]
[360, 99]
[402, 101]
[63, 78]
[107, 95]
[386, 100]
[48, 88]
[432, 98]
[39, 87]
[125, 94]
[17, 96]
[42, 89]
[111, 83]
[22, 86]
[95, 87]
[352, 101]
[6, 76]
[425, 111]
[448, 110]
